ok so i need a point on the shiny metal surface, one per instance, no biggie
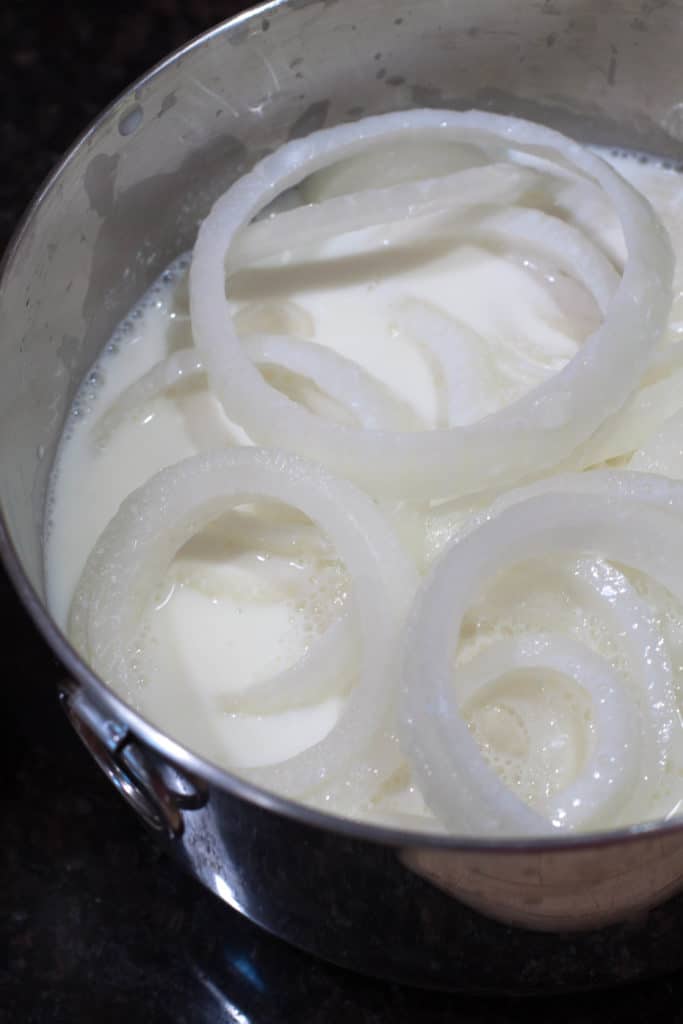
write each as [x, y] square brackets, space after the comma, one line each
[126, 201]
[154, 788]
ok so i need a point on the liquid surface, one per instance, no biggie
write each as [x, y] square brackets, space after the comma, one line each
[230, 613]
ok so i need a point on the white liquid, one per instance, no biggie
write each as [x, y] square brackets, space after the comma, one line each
[227, 615]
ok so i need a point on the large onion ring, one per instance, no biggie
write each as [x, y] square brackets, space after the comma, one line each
[633, 533]
[155, 521]
[538, 429]
[611, 769]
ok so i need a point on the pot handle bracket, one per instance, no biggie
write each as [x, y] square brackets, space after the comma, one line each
[156, 789]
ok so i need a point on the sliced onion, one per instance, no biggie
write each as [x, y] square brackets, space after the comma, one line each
[307, 226]
[663, 452]
[353, 793]
[614, 485]
[392, 165]
[154, 522]
[634, 424]
[539, 429]
[409, 522]
[668, 359]
[461, 354]
[460, 357]
[533, 231]
[282, 317]
[611, 770]
[632, 533]
[583, 203]
[452, 520]
[180, 366]
[278, 536]
[634, 628]
[348, 383]
[367, 399]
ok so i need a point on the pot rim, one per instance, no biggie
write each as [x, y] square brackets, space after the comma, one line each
[155, 738]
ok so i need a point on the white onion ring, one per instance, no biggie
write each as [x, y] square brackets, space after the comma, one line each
[539, 429]
[280, 538]
[611, 770]
[392, 165]
[634, 424]
[456, 520]
[584, 204]
[367, 399]
[460, 355]
[156, 520]
[446, 197]
[607, 589]
[353, 793]
[348, 383]
[186, 364]
[274, 317]
[646, 538]
[460, 352]
[537, 232]
[663, 451]
[456, 347]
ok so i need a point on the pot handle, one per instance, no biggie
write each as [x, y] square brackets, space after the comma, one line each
[156, 789]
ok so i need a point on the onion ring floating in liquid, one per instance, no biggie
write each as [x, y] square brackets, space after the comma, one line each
[539, 429]
[440, 748]
[156, 520]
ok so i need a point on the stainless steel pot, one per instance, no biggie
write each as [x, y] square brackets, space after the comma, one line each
[487, 916]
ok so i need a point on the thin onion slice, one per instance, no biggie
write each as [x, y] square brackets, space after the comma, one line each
[453, 520]
[354, 792]
[634, 424]
[583, 203]
[663, 451]
[307, 226]
[154, 522]
[533, 231]
[250, 530]
[635, 534]
[367, 399]
[610, 593]
[460, 353]
[370, 403]
[392, 165]
[464, 373]
[539, 429]
[462, 370]
[611, 769]
[274, 317]
[181, 366]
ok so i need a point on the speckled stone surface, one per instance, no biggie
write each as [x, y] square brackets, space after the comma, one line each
[96, 924]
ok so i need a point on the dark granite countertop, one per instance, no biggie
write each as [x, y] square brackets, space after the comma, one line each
[97, 924]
